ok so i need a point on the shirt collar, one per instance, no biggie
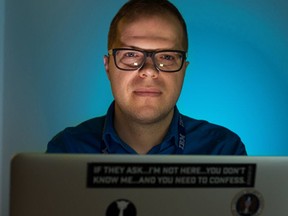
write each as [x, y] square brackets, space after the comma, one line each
[109, 130]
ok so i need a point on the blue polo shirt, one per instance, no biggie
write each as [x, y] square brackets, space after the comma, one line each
[98, 135]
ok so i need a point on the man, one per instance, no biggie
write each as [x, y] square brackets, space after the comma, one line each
[146, 65]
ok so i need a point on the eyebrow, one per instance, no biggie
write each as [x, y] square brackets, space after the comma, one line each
[139, 48]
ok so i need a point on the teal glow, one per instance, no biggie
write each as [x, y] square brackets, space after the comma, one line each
[237, 77]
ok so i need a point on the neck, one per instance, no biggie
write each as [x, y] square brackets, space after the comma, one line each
[141, 136]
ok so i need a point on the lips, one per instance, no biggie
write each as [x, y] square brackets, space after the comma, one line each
[147, 92]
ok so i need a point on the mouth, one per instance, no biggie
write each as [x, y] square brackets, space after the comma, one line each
[147, 92]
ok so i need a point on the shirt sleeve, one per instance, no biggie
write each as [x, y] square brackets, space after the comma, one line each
[83, 138]
[57, 144]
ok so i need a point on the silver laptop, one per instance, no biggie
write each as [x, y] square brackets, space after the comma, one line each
[122, 185]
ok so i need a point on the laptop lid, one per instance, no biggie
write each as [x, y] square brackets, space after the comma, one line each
[127, 185]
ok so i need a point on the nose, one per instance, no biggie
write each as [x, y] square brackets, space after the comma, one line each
[148, 69]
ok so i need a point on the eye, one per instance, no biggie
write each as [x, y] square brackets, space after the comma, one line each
[130, 54]
[168, 57]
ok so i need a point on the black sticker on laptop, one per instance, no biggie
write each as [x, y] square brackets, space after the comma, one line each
[119, 175]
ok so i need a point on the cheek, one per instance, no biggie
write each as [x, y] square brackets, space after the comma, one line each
[119, 82]
[181, 82]
[176, 83]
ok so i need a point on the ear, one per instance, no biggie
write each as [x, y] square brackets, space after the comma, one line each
[186, 63]
[106, 65]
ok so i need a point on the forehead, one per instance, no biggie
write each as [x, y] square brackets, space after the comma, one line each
[164, 30]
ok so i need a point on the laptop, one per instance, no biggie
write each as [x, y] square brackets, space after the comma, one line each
[130, 185]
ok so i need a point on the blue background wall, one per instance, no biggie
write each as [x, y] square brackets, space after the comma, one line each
[54, 75]
[239, 70]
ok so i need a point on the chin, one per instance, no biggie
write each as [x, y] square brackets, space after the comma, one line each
[151, 116]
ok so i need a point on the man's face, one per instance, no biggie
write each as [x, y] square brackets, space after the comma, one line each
[146, 95]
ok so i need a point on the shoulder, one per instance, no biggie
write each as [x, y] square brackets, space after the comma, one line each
[204, 128]
[204, 137]
[83, 138]
[92, 126]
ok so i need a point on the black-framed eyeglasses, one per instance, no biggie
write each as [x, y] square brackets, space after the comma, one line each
[132, 59]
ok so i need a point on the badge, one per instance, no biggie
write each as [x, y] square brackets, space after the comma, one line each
[247, 203]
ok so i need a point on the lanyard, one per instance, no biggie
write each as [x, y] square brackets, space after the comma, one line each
[181, 138]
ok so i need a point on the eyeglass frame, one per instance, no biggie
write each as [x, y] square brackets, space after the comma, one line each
[146, 54]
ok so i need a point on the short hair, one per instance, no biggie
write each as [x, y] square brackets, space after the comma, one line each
[135, 8]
